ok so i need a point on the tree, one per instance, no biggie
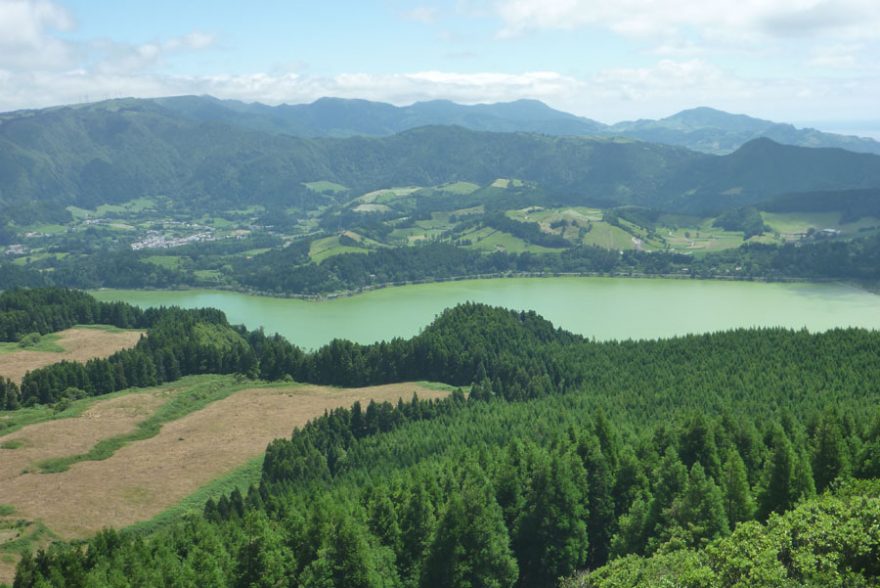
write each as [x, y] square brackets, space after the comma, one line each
[263, 562]
[739, 505]
[417, 525]
[347, 560]
[830, 452]
[779, 493]
[697, 445]
[701, 513]
[471, 547]
[552, 540]
[601, 522]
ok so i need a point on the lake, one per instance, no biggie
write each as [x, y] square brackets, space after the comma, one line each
[603, 308]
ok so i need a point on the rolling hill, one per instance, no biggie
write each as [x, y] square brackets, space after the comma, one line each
[120, 150]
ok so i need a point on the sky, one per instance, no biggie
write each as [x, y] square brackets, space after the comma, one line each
[609, 60]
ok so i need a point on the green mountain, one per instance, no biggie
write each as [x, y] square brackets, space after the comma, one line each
[762, 170]
[124, 149]
[338, 117]
[714, 131]
[700, 129]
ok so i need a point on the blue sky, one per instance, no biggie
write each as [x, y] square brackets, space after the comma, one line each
[788, 60]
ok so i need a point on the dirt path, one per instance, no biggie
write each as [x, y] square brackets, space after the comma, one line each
[142, 479]
[80, 344]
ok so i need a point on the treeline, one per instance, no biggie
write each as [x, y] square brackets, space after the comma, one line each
[47, 310]
[289, 270]
[657, 447]
[179, 343]
[527, 231]
[747, 220]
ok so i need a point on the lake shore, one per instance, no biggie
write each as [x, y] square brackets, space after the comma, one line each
[600, 307]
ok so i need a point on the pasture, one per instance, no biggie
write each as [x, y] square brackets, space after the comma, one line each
[216, 434]
[80, 343]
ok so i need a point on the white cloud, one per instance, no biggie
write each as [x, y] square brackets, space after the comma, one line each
[422, 14]
[107, 56]
[843, 56]
[716, 19]
[25, 34]
[35, 89]
[611, 95]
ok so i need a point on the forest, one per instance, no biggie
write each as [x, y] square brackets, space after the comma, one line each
[287, 271]
[741, 458]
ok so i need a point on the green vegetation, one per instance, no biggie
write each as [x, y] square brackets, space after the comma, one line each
[322, 249]
[653, 459]
[326, 187]
[200, 391]
[33, 342]
[239, 479]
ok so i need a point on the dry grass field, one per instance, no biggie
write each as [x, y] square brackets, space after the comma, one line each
[79, 344]
[144, 478]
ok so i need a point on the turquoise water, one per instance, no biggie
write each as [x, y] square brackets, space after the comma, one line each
[603, 308]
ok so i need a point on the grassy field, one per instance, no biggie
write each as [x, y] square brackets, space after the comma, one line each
[321, 249]
[609, 237]
[460, 188]
[153, 454]
[324, 187]
[507, 183]
[47, 343]
[132, 206]
[387, 195]
[490, 240]
[76, 344]
[796, 223]
[171, 262]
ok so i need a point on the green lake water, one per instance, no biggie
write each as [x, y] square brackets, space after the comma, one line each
[603, 308]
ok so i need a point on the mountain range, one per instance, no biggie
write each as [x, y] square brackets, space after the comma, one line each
[701, 129]
[207, 153]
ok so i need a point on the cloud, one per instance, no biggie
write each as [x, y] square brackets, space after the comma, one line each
[610, 95]
[34, 89]
[29, 43]
[837, 57]
[107, 56]
[718, 19]
[422, 14]
[25, 34]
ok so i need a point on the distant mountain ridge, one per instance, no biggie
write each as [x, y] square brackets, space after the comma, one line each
[701, 129]
[338, 117]
[120, 150]
[713, 131]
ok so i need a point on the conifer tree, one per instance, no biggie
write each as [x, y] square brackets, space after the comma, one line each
[471, 547]
[830, 452]
[702, 514]
[552, 538]
[739, 505]
[778, 494]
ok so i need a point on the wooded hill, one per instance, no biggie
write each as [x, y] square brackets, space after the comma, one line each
[567, 455]
[701, 129]
[120, 150]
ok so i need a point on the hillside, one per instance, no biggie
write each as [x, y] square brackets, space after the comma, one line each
[701, 129]
[714, 131]
[119, 151]
[337, 117]
[567, 455]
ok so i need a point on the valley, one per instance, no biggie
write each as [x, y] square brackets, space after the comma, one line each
[434, 346]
